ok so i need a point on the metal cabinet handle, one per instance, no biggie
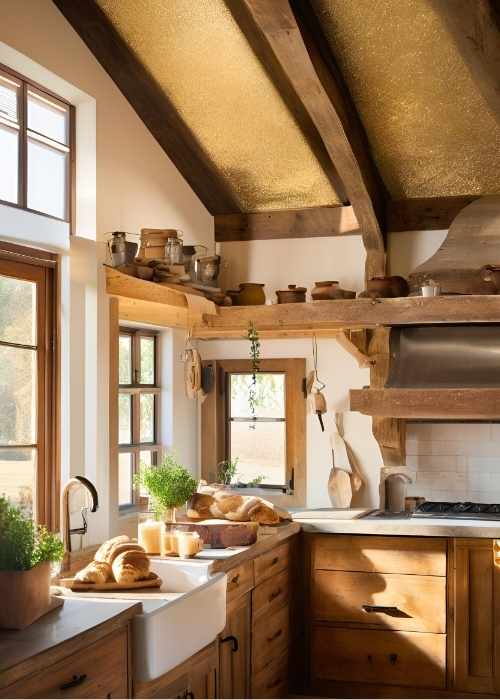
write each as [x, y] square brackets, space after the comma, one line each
[275, 561]
[234, 642]
[235, 579]
[393, 658]
[274, 594]
[275, 636]
[74, 682]
[385, 609]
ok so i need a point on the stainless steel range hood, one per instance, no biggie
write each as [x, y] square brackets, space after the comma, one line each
[445, 356]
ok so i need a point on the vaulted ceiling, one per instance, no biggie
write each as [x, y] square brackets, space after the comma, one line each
[313, 117]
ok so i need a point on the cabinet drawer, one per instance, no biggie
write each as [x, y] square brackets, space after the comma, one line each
[270, 595]
[97, 672]
[386, 555]
[240, 580]
[374, 656]
[269, 564]
[272, 681]
[270, 638]
[413, 603]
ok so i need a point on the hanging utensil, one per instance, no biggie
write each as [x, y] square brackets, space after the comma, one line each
[320, 408]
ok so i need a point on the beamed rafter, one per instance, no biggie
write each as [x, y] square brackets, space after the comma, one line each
[151, 104]
[272, 30]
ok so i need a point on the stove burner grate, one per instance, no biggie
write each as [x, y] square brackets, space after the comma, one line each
[466, 509]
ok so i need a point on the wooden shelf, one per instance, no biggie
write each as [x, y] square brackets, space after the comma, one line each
[327, 318]
[149, 302]
[447, 404]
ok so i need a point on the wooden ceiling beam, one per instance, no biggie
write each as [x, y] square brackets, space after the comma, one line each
[432, 214]
[475, 28]
[271, 29]
[150, 102]
[286, 223]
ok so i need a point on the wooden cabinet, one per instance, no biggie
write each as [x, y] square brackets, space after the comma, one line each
[477, 616]
[99, 671]
[235, 649]
[195, 678]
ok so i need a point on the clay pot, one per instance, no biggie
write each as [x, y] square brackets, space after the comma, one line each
[292, 295]
[251, 294]
[234, 295]
[399, 286]
[387, 287]
[324, 290]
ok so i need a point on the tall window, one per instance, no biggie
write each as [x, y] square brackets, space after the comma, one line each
[27, 406]
[138, 409]
[36, 134]
[269, 442]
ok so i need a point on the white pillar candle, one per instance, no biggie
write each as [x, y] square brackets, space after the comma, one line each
[188, 544]
[149, 536]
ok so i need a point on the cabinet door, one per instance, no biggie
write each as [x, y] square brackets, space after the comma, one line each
[203, 674]
[477, 619]
[235, 646]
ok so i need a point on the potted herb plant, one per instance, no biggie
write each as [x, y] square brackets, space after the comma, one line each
[227, 470]
[169, 486]
[26, 554]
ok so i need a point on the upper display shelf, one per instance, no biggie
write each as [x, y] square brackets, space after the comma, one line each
[149, 302]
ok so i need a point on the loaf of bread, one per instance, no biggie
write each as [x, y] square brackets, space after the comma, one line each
[216, 502]
[130, 566]
[105, 548]
[95, 572]
[118, 549]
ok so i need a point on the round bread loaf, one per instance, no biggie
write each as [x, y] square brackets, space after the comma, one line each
[106, 547]
[121, 547]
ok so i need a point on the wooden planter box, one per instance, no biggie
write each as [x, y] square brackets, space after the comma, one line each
[24, 596]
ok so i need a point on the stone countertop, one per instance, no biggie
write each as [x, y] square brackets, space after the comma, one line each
[327, 521]
[58, 634]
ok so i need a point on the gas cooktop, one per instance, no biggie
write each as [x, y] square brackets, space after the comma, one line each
[443, 509]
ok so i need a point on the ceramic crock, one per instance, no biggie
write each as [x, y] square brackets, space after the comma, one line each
[251, 294]
[292, 295]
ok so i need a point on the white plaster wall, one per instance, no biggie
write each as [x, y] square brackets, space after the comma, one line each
[124, 181]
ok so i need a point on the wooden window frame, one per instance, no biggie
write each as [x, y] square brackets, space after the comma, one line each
[22, 203]
[214, 421]
[42, 268]
[135, 389]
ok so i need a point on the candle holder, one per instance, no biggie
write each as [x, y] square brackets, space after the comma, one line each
[149, 532]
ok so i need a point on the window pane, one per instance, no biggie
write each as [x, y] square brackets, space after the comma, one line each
[48, 117]
[261, 451]
[146, 457]
[9, 170]
[47, 179]
[125, 491]
[147, 427]
[270, 395]
[125, 359]
[17, 320]
[147, 360]
[9, 102]
[17, 478]
[125, 419]
[17, 396]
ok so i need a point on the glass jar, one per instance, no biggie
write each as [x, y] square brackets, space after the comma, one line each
[149, 532]
[188, 544]
[168, 540]
[173, 250]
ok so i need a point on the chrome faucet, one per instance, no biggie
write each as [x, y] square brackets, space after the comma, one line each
[65, 524]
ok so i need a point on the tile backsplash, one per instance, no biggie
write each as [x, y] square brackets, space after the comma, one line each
[454, 461]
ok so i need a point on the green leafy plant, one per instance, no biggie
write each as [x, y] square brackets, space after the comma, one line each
[169, 484]
[256, 480]
[253, 337]
[23, 545]
[227, 470]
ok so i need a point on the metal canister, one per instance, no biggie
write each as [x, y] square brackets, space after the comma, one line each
[118, 248]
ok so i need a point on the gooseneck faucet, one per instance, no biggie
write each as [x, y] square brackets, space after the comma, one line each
[65, 524]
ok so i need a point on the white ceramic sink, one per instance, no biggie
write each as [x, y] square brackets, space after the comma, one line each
[186, 614]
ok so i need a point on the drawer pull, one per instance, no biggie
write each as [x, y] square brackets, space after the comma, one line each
[390, 610]
[274, 684]
[274, 595]
[234, 642]
[235, 579]
[275, 561]
[74, 682]
[275, 635]
[393, 659]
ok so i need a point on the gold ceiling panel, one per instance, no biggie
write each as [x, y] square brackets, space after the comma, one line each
[430, 130]
[197, 54]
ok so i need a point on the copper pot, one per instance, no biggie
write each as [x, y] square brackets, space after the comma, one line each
[292, 295]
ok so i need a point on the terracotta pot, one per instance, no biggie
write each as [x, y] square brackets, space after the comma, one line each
[251, 294]
[324, 290]
[399, 286]
[292, 295]
[387, 287]
[25, 596]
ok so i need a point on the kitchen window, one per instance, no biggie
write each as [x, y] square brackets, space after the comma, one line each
[28, 405]
[138, 409]
[36, 142]
[268, 444]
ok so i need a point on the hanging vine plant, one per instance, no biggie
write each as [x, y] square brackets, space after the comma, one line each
[253, 337]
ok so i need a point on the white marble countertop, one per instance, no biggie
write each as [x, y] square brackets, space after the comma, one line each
[350, 522]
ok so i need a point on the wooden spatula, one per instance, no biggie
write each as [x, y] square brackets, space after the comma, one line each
[320, 408]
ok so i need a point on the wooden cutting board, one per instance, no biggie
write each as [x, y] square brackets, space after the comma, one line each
[153, 581]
